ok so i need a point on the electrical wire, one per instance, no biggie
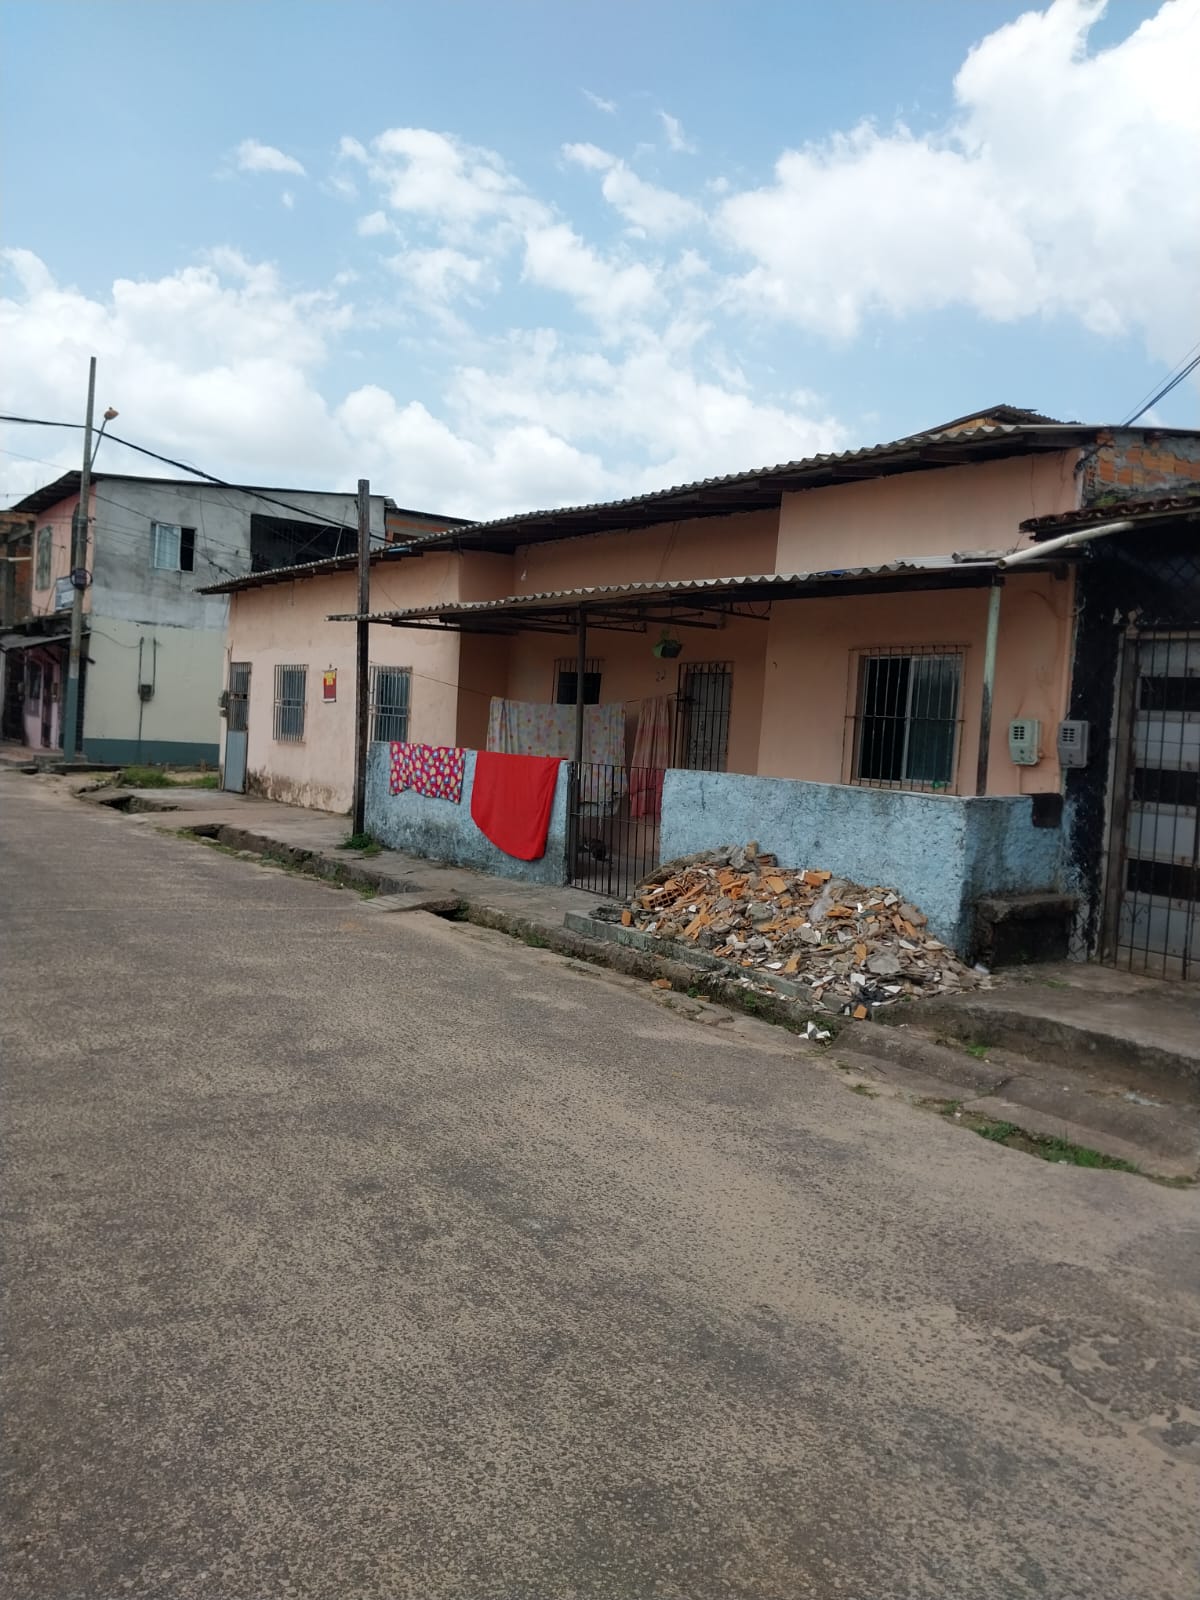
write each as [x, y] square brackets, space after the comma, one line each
[183, 466]
[1165, 390]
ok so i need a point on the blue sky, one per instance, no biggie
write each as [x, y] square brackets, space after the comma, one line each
[505, 255]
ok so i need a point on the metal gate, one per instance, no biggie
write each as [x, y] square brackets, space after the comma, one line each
[237, 709]
[613, 826]
[1152, 921]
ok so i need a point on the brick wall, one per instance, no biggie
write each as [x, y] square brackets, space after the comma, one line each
[1133, 463]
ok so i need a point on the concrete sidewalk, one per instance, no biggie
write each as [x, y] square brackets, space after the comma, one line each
[1075, 1052]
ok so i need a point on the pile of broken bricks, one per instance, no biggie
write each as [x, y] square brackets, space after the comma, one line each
[854, 948]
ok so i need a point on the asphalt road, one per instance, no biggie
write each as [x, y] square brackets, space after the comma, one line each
[352, 1255]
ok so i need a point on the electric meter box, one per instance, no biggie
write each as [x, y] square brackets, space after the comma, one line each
[1072, 744]
[1024, 741]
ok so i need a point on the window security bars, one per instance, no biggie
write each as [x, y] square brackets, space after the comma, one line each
[236, 704]
[702, 716]
[905, 718]
[291, 691]
[45, 556]
[391, 693]
[565, 671]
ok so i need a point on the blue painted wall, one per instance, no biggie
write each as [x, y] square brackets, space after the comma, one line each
[940, 851]
[442, 831]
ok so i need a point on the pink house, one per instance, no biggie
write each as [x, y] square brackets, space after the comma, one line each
[863, 659]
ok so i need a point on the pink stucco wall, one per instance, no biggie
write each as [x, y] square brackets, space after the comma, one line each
[923, 513]
[703, 547]
[810, 684]
[287, 624]
[58, 520]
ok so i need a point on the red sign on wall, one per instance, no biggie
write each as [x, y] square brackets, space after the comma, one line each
[329, 684]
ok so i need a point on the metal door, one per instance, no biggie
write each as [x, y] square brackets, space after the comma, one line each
[1154, 877]
[237, 708]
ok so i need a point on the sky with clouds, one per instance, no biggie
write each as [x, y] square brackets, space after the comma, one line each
[497, 255]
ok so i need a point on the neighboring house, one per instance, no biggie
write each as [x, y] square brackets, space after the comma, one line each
[828, 655]
[153, 666]
[1132, 829]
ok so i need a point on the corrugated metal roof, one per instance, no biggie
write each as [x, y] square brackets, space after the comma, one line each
[1170, 505]
[767, 584]
[761, 486]
[302, 569]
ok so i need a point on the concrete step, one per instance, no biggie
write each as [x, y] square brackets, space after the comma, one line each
[1090, 1016]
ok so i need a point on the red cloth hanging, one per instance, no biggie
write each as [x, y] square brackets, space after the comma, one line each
[511, 801]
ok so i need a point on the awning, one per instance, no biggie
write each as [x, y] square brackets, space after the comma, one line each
[28, 641]
[689, 602]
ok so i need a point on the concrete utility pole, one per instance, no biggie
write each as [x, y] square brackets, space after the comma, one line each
[79, 551]
[362, 642]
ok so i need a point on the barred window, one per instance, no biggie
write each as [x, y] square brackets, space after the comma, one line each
[291, 692]
[905, 718]
[45, 557]
[702, 722]
[391, 694]
[566, 671]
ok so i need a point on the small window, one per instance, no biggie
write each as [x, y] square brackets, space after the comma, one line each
[291, 692]
[172, 548]
[45, 558]
[906, 717]
[391, 690]
[565, 673]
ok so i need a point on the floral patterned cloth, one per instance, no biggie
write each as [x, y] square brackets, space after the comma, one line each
[434, 770]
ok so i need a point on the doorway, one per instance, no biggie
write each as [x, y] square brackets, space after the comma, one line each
[237, 727]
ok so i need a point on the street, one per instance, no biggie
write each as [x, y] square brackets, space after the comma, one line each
[351, 1255]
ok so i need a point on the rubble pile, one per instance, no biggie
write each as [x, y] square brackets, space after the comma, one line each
[855, 948]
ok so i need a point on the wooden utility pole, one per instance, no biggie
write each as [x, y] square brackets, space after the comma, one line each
[362, 688]
[79, 554]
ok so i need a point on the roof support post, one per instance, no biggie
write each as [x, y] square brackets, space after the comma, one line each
[580, 664]
[989, 683]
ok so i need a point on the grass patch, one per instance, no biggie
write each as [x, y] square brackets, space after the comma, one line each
[365, 843]
[1047, 1149]
[144, 778]
[979, 1051]
[861, 1088]
[205, 780]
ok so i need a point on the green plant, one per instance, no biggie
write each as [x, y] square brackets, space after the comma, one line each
[979, 1051]
[144, 778]
[359, 841]
[861, 1088]
[206, 780]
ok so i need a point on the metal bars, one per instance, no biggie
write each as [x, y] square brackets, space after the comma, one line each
[613, 849]
[903, 730]
[1154, 848]
[237, 699]
[702, 716]
[291, 694]
[391, 696]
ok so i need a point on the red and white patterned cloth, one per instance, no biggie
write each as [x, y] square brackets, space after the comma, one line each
[434, 770]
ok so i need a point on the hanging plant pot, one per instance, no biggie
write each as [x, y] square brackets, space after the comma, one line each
[667, 648]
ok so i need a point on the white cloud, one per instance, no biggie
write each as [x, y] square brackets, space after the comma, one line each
[373, 224]
[676, 138]
[287, 199]
[437, 176]
[609, 107]
[1065, 184]
[647, 208]
[557, 258]
[440, 274]
[255, 157]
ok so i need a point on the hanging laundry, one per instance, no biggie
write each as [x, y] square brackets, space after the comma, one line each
[651, 757]
[435, 771]
[511, 801]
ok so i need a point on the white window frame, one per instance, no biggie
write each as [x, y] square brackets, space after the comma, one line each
[166, 547]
